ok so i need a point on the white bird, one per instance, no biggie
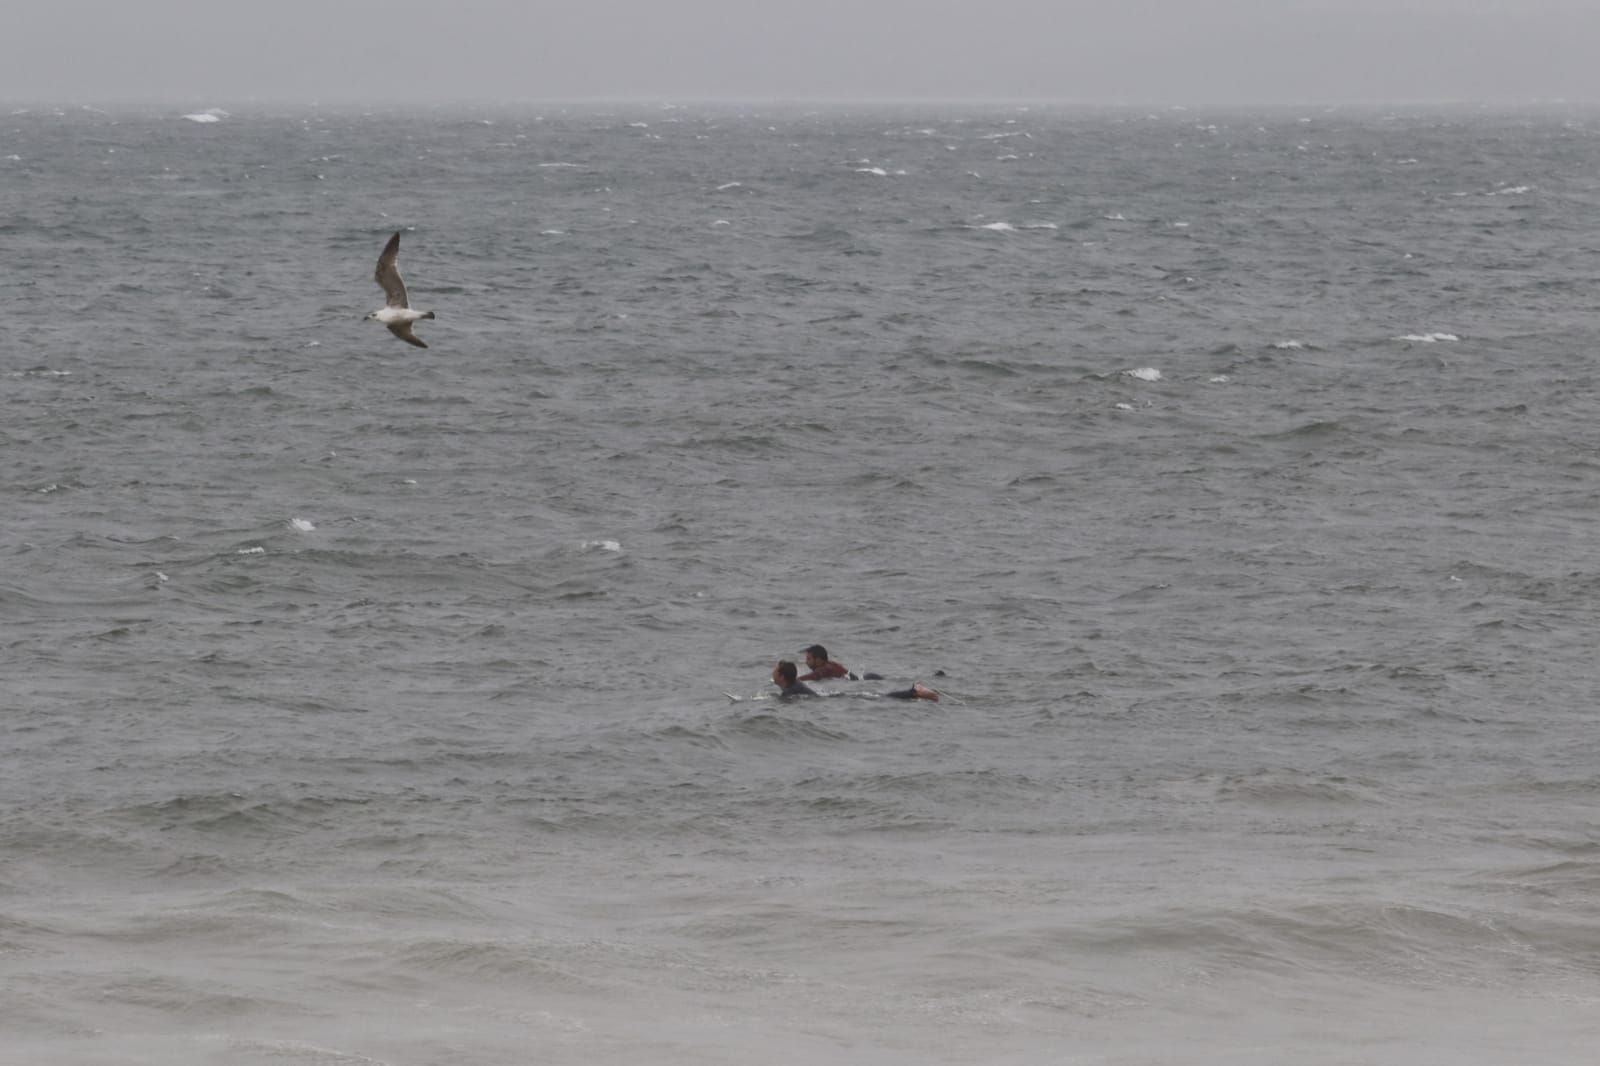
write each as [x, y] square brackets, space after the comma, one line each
[396, 313]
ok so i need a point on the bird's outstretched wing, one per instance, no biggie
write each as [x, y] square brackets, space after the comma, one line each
[403, 331]
[394, 287]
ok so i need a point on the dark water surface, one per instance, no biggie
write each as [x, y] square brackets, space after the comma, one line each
[365, 704]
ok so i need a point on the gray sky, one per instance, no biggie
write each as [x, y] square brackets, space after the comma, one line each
[1107, 51]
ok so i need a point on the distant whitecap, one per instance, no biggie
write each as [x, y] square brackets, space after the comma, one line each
[258, 550]
[1000, 226]
[1219, 379]
[1428, 338]
[601, 546]
[1291, 346]
[722, 222]
[879, 171]
[1144, 373]
[730, 185]
[210, 114]
[302, 525]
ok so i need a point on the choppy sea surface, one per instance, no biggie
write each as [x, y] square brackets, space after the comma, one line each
[1235, 476]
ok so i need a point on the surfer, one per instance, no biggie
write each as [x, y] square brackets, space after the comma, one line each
[822, 668]
[784, 676]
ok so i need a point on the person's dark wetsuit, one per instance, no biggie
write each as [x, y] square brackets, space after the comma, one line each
[796, 689]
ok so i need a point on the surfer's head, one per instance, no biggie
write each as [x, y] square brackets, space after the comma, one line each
[784, 673]
[816, 655]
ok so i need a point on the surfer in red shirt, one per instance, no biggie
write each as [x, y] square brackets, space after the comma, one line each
[822, 668]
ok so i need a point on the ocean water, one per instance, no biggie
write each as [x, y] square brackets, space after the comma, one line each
[1233, 475]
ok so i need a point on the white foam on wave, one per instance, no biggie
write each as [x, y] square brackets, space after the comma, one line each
[1003, 227]
[729, 185]
[1428, 338]
[301, 524]
[879, 171]
[1218, 379]
[722, 222]
[210, 114]
[1510, 190]
[1143, 373]
[257, 550]
[1290, 346]
[600, 546]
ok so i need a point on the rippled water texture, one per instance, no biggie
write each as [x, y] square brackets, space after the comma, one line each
[1231, 475]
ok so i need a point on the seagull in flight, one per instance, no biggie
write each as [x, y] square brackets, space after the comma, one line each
[396, 312]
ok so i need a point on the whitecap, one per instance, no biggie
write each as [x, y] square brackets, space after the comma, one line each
[729, 185]
[879, 171]
[210, 114]
[600, 545]
[1428, 338]
[1144, 373]
[722, 222]
[302, 525]
[1292, 346]
[1511, 190]
[258, 550]
[1000, 226]
[1040, 225]
[1220, 379]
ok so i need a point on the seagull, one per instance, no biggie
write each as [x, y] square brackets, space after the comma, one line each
[396, 313]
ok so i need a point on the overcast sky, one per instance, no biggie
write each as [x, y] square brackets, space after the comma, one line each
[1104, 52]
